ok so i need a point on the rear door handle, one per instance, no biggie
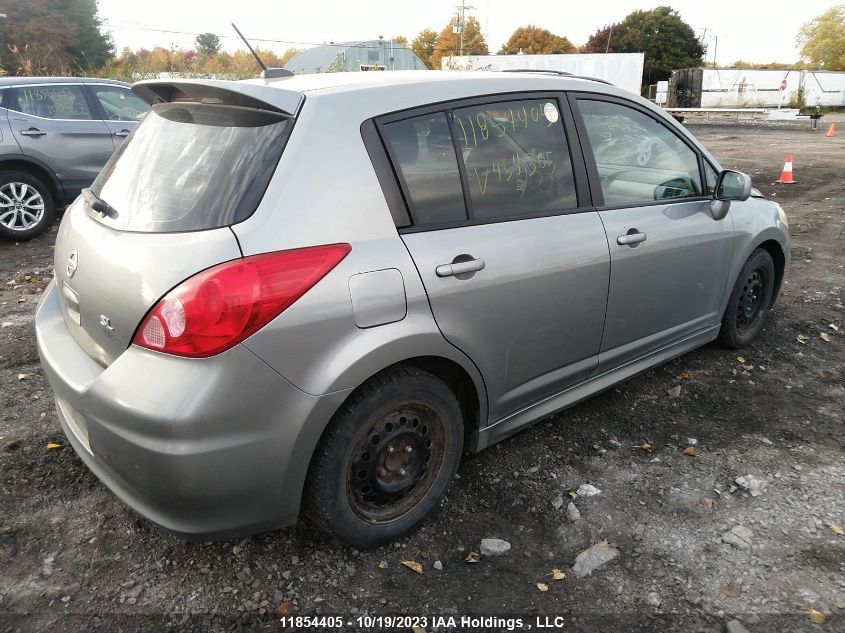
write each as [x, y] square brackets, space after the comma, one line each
[122, 133]
[631, 239]
[33, 131]
[458, 268]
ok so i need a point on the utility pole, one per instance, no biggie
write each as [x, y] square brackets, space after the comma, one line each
[460, 22]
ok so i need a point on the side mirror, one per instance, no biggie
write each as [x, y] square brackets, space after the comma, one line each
[731, 185]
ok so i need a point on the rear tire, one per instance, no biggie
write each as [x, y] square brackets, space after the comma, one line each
[750, 302]
[26, 205]
[386, 459]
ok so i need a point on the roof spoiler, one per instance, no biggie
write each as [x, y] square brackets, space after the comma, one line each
[235, 93]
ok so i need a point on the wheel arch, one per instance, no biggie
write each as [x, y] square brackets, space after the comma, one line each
[774, 248]
[774, 240]
[465, 382]
[458, 380]
[36, 168]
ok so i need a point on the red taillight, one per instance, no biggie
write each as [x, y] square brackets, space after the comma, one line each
[223, 305]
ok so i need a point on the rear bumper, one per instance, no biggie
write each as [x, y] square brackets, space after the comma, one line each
[208, 448]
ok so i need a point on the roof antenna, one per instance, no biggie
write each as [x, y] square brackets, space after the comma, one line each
[266, 73]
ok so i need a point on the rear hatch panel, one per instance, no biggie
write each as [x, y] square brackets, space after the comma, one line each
[116, 277]
[199, 162]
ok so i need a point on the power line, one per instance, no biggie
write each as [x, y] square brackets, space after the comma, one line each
[232, 37]
[253, 39]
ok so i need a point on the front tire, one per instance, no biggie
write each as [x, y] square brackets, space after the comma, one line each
[386, 459]
[750, 301]
[26, 205]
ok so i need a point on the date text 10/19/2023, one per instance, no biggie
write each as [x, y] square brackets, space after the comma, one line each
[405, 622]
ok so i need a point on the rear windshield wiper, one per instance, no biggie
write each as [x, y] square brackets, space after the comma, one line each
[98, 204]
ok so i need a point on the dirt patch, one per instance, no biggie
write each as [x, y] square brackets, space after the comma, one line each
[73, 558]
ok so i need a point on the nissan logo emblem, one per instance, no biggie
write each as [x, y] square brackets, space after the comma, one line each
[72, 264]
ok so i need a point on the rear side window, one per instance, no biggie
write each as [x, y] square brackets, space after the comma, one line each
[57, 101]
[422, 150]
[120, 104]
[638, 159]
[517, 159]
[192, 166]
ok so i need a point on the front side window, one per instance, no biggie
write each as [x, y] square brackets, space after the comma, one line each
[120, 104]
[422, 151]
[516, 158]
[638, 159]
[56, 101]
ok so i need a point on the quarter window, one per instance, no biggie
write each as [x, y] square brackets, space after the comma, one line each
[638, 159]
[711, 177]
[423, 151]
[516, 158]
[52, 102]
[120, 104]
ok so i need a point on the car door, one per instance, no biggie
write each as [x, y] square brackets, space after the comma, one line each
[54, 123]
[513, 258]
[119, 107]
[669, 257]
[8, 144]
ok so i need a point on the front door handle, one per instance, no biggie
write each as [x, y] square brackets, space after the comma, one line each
[33, 131]
[631, 238]
[459, 268]
[122, 133]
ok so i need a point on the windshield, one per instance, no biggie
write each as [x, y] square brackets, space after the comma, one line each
[192, 166]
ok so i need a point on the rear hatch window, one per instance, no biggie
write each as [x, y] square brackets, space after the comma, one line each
[191, 167]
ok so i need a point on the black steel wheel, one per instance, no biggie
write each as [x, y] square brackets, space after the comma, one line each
[386, 459]
[396, 462]
[750, 301]
[749, 308]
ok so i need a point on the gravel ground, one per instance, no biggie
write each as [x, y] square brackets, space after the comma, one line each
[696, 551]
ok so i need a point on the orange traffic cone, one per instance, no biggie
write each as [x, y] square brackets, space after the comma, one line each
[831, 131]
[786, 174]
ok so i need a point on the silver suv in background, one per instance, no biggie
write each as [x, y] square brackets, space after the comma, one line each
[56, 133]
[315, 292]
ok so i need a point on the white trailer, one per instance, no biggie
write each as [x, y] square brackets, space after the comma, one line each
[624, 70]
[756, 88]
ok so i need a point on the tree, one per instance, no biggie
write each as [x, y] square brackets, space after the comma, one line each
[534, 40]
[822, 40]
[400, 40]
[92, 45]
[58, 37]
[423, 46]
[606, 40]
[207, 44]
[667, 41]
[449, 42]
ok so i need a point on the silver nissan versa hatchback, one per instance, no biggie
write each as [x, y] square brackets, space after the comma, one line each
[313, 293]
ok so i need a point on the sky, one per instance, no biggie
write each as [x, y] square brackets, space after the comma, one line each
[751, 30]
